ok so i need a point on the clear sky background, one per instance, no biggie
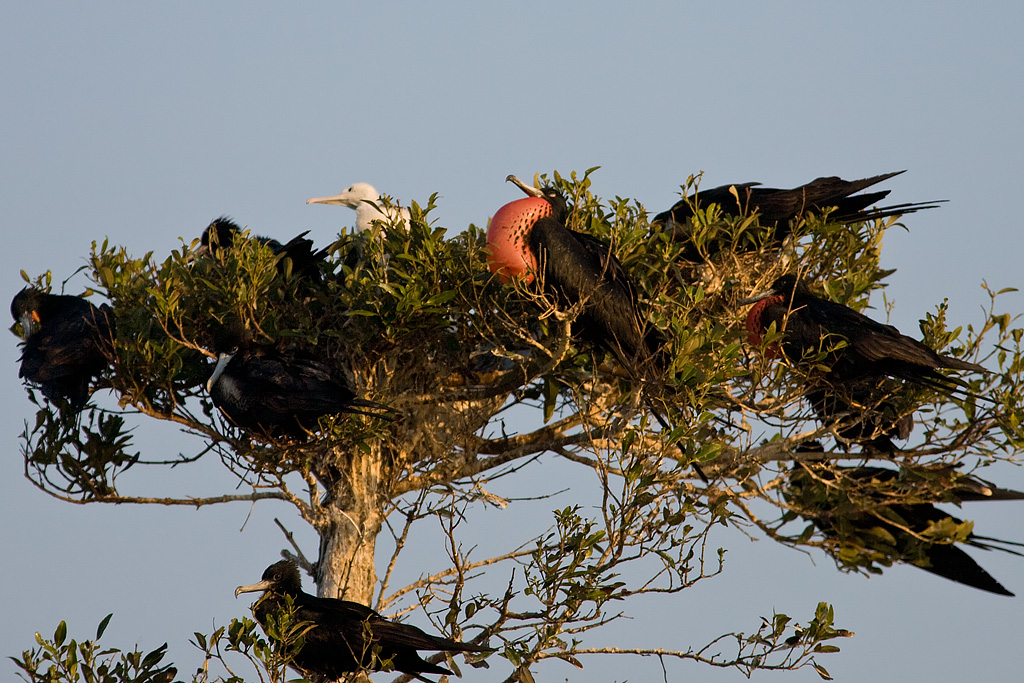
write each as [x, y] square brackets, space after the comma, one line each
[142, 123]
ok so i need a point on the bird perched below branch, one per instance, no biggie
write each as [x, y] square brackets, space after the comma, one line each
[851, 505]
[365, 199]
[222, 233]
[277, 393]
[68, 342]
[343, 636]
[777, 208]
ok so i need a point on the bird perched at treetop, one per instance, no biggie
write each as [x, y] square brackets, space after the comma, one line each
[365, 199]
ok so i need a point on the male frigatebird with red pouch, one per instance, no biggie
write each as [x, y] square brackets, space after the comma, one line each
[528, 238]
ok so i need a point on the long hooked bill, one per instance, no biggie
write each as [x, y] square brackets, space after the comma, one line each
[218, 370]
[532, 191]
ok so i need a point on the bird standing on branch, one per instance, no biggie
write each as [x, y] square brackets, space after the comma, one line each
[528, 238]
[856, 346]
[275, 393]
[68, 341]
[341, 636]
[859, 353]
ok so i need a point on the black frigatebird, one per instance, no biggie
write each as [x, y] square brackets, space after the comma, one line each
[344, 636]
[856, 346]
[777, 207]
[222, 233]
[277, 393]
[859, 352]
[845, 504]
[528, 238]
[68, 341]
[365, 199]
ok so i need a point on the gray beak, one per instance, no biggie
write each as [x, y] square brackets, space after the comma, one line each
[336, 199]
[758, 297]
[28, 323]
[254, 588]
[531, 191]
[218, 370]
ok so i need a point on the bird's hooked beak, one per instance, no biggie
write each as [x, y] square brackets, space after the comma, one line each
[531, 191]
[339, 199]
[254, 588]
[198, 252]
[29, 322]
[218, 370]
[758, 297]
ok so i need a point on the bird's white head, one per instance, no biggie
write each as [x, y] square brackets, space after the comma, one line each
[365, 199]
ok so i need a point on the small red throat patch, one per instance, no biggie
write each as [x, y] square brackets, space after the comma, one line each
[756, 324]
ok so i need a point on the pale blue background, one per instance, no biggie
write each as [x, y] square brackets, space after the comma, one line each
[143, 123]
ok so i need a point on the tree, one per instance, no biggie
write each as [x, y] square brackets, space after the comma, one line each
[415, 321]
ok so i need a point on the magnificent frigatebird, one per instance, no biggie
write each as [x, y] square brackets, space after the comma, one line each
[222, 233]
[528, 238]
[68, 341]
[777, 207]
[846, 504]
[346, 636]
[366, 201]
[854, 396]
[855, 346]
[276, 393]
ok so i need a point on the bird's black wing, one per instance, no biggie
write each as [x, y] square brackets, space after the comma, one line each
[580, 268]
[293, 384]
[357, 628]
[732, 204]
[74, 342]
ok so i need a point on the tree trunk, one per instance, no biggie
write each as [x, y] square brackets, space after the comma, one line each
[351, 516]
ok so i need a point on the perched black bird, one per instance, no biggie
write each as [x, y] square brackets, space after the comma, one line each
[223, 231]
[848, 504]
[528, 237]
[68, 341]
[854, 395]
[856, 347]
[274, 393]
[777, 207]
[347, 636]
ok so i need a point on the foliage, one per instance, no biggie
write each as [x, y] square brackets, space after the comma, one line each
[414, 320]
[59, 660]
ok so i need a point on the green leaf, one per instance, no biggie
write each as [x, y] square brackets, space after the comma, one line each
[60, 634]
[103, 626]
[822, 671]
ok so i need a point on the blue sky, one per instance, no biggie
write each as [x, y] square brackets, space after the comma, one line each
[143, 123]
